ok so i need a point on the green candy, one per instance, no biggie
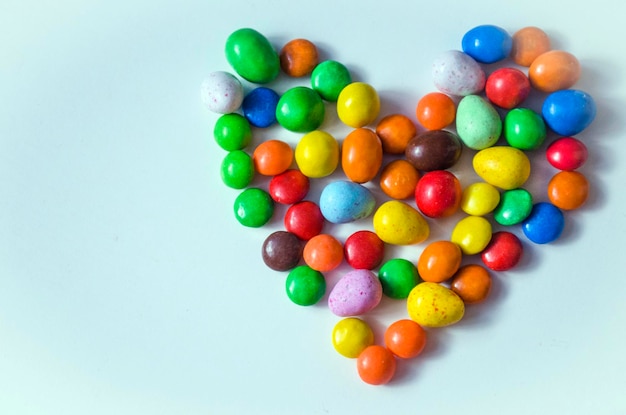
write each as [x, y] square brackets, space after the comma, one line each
[398, 276]
[305, 286]
[237, 169]
[515, 206]
[478, 124]
[300, 109]
[252, 56]
[254, 207]
[232, 132]
[329, 78]
[524, 129]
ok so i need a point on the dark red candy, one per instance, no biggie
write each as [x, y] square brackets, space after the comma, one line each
[304, 219]
[507, 87]
[289, 187]
[282, 251]
[503, 252]
[433, 150]
[364, 250]
[566, 153]
[438, 194]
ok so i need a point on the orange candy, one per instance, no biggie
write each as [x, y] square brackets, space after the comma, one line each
[376, 365]
[528, 44]
[472, 283]
[298, 57]
[323, 253]
[435, 111]
[398, 179]
[272, 157]
[568, 190]
[439, 261]
[395, 131]
[554, 70]
[361, 155]
[405, 338]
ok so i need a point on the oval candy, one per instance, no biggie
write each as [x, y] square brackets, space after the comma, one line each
[361, 155]
[434, 150]
[356, 293]
[478, 124]
[568, 112]
[345, 201]
[457, 73]
[502, 166]
[252, 56]
[432, 305]
[398, 223]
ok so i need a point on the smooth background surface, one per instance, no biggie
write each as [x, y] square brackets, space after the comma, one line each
[127, 286]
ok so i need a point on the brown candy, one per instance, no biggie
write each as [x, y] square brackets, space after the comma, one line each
[434, 150]
[282, 251]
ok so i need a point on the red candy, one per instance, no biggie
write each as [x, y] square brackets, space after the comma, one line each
[438, 194]
[503, 252]
[364, 250]
[304, 219]
[566, 153]
[507, 87]
[289, 187]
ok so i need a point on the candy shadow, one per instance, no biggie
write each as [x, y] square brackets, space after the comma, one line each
[409, 369]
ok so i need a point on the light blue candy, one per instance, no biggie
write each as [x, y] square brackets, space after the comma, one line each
[544, 224]
[569, 111]
[345, 201]
[487, 43]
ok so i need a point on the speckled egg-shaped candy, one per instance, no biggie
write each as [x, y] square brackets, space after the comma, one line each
[432, 305]
[356, 293]
[478, 124]
[502, 166]
[221, 92]
[345, 201]
[456, 73]
[398, 223]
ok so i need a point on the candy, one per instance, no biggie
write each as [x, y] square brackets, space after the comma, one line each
[259, 107]
[272, 157]
[358, 104]
[304, 219]
[376, 365]
[502, 166]
[479, 199]
[232, 132]
[398, 276]
[289, 187]
[567, 153]
[434, 150]
[554, 70]
[398, 179]
[361, 155]
[221, 92]
[398, 223]
[253, 207]
[478, 124]
[528, 43]
[317, 154]
[568, 112]
[568, 190]
[515, 206]
[435, 111]
[237, 169]
[507, 87]
[300, 109]
[329, 78]
[351, 336]
[487, 43]
[305, 286]
[456, 73]
[395, 131]
[524, 129]
[472, 234]
[323, 253]
[438, 194]
[503, 252]
[433, 305]
[356, 293]
[472, 283]
[439, 261]
[252, 56]
[363, 250]
[344, 201]
[405, 338]
[298, 57]
[282, 251]
[544, 224]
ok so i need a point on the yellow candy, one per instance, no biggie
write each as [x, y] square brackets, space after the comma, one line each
[351, 336]
[317, 154]
[432, 305]
[472, 234]
[479, 199]
[502, 166]
[358, 104]
[397, 223]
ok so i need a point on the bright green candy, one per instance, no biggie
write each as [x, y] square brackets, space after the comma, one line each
[252, 56]
[254, 207]
[232, 132]
[515, 206]
[478, 124]
[398, 276]
[300, 109]
[237, 169]
[305, 286]
[329, 78]
[524, 129]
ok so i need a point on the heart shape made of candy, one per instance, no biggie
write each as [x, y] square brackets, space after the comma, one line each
[394, 177]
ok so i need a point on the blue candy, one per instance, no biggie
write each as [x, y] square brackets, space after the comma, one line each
[259, 107]
[569, 111]
[346, 201]
[544, 224]
[487, 43]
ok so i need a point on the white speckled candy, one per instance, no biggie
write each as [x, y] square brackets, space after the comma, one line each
[456, 73]
[222, 92]
[356, 293]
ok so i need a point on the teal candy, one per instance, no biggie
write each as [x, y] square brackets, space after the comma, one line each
[253, 207]
[329, 78]
[478, 124]
[515, 206]
[300, 109]
[237, 169]
[524, 129]
[252, 56]
[232, 132]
